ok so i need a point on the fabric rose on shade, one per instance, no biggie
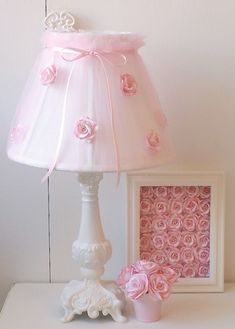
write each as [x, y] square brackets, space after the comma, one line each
[17, 134]
[48, 75]
[85, 129]
[153, 141]
[128, 84]
[168, 273]
[137, 286]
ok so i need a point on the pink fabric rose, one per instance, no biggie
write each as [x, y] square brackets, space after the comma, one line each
[173, 238]
[145, 206]
[173, 255]
[203, 270]
[187, 255]
[189, 223]
[160, 207]
[204, 255]
[158, 241]
[137, 286]
[188, 239]
[160, 191]
[174, 223]
[178, 191]
[147, 267]
[204, 206]
[145, 242]
[189, 271]
[177, 268]
[145, 224]
[159, 224]
[85, 129]
[205, 192]
[146, 192]
[203, 224]
[158, 286]
[48, 75]
[203, 239]
[159, 257]
[169, 273]
[125, 276]
[145, 255]
[153, 141]
[192, 191]
[191, 205]
[176, 207]
[17, 134]
[128, 84]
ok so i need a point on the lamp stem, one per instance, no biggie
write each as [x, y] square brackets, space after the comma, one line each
[91, 250]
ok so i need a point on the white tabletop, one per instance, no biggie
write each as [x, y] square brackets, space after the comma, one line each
[37, 306]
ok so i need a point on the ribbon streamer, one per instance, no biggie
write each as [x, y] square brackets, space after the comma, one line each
[71, 55]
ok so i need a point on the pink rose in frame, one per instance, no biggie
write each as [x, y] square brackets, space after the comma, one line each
[177, 268]
[173, 255]
[187, 255]
[203, 224]
[158, 241]
[188, 239]
[204, 207]
[176, 207]
[146, 255]
[85, 129]
[173, 238]
[159, 257]
[145, 242]
[189, 271]
[159, 224]
[192, 191]
[48, 75]
[145, 206]
[160, 192]
[189, 223]
[145, 224]
[203, 270]
[146, 192]
[204, 255]
[203, 239]
[191, 205]
[178, 192]
[174, 223]
[160, 207]
[205, 192]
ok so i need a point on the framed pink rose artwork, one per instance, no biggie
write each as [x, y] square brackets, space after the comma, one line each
[177, 220]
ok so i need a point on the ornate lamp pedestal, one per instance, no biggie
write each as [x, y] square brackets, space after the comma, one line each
[91, 250]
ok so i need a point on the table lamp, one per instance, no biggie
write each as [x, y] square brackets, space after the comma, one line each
[89, 107]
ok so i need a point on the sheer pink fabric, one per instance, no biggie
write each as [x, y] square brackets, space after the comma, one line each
[78, 76]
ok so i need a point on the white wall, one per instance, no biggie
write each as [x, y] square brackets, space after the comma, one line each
[189, 53]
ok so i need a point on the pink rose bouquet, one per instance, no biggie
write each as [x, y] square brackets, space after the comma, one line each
[146, 277]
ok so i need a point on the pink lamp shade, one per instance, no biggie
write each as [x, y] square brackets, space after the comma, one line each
[89, 105]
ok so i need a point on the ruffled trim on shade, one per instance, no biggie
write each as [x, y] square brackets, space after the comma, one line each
[93, 40]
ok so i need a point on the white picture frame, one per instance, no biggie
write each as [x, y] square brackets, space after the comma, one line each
[214, 180]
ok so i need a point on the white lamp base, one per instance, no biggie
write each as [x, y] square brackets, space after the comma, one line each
[91, 250]
[92, 296]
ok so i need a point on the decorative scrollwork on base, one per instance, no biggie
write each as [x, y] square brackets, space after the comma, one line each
[93, 296]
